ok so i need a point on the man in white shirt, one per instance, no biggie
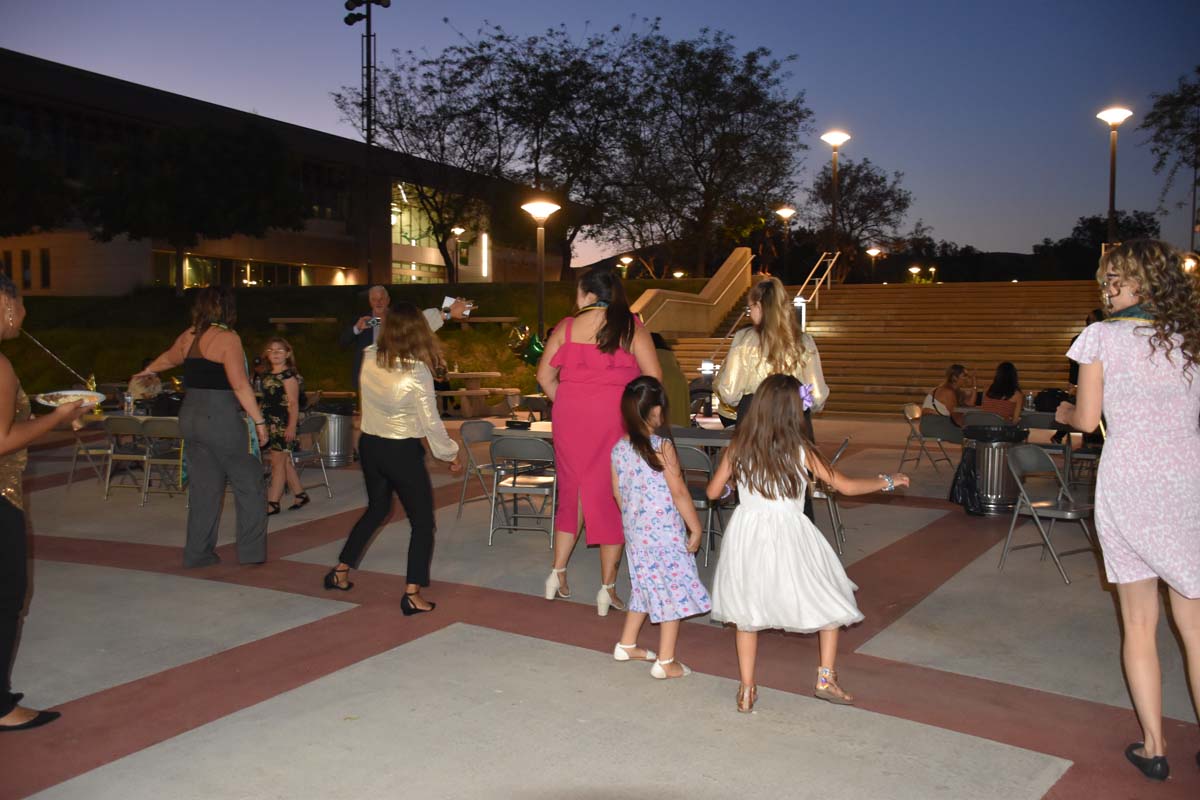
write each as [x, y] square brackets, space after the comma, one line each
[365, 331]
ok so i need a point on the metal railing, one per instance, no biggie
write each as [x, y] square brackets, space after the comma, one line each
[825, 278]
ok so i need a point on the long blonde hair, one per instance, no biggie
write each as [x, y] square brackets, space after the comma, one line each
[406, 336]
[779, 334]
[1169, 293]
[770, 447]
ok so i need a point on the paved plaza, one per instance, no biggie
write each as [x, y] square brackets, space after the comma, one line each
[254, 682]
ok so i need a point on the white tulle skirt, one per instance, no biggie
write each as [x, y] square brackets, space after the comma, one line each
[776, 570]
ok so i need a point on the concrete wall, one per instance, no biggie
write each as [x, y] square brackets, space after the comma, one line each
[79, 265]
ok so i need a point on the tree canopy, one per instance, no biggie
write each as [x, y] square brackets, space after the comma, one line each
[871, 205]
[183, 184]
[36, 195]
[1174, 126]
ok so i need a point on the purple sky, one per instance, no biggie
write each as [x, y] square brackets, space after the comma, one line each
[988, 108]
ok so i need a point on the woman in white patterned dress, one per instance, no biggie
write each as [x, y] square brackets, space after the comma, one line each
[1141, 367]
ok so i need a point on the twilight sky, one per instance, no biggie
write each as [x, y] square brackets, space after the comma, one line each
[987, 107]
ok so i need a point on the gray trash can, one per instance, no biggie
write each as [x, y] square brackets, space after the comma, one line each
[337, 442]
[997, 490]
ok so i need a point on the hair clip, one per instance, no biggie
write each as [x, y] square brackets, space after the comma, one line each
[806, 396]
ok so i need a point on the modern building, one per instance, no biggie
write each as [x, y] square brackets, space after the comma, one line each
[358, 230]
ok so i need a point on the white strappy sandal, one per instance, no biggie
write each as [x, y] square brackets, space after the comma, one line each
[621, 653]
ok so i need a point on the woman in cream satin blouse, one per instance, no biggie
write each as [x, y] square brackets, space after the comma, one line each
[773, 345]
[399, 410]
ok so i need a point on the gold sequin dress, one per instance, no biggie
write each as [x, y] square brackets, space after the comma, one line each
[12, 466]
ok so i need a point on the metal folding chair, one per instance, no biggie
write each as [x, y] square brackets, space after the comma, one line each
[164, 455]
[522, 467]
[915, 418]
[1025, 460]
[819, 490]
[312, 426]
[91, 452]
[127, 447]
[696, 464]
[475, 431]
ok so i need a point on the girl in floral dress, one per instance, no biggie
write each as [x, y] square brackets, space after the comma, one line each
[662, 530]
[281, 410]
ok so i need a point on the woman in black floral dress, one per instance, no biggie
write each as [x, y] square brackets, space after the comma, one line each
[281, 410]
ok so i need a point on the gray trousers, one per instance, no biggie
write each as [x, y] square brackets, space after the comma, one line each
[217, 449]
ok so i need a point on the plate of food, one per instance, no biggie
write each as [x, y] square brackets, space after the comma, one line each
[62, 398]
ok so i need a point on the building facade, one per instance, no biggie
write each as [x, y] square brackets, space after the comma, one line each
[365, 224]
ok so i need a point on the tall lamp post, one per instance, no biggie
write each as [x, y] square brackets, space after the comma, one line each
[541, 210]
[625, 262]
[785, 214]
[1114, 117]
[458, 231]
[368, 106]
[835, 139]
[873, 252]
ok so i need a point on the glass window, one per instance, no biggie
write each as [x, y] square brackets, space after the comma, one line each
[410, 224]
[44, 258]
[26, 270]
[412, 272]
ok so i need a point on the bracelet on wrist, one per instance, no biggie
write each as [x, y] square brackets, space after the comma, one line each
[891, 483]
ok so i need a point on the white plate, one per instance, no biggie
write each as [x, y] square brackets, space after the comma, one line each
[64, 396]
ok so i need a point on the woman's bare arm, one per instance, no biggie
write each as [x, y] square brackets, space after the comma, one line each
[642, 348]
[547, 375]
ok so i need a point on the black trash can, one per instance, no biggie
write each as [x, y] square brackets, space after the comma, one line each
[994, 481]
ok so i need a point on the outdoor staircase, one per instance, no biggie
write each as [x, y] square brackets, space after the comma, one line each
[884, 346]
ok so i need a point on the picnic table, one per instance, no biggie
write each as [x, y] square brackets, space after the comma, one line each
[474, 395]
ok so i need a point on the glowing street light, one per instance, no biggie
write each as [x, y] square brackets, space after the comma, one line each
[625, 262]
[914, 270]
[678, 273]
[458, 232]
[1114, 117]
[541, 210]
[785, 214]
[873, 252]
[835, 139]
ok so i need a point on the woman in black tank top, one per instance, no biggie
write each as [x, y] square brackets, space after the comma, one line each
[218, 444]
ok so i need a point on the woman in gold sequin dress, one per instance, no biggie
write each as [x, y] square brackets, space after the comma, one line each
[17, 429]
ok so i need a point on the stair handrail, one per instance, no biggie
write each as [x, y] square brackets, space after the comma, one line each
[814, 297]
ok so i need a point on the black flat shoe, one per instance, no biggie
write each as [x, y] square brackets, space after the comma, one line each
[272, 508]
[409, 608]
[331, 580]
[17, 697]
[42, 718]
[302, 500]
[1155, 768]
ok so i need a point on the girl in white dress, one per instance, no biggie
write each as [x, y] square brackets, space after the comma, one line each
[776, 570]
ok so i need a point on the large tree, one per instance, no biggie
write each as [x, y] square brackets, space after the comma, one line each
[35, 195]
[1077, 255]
[871, 206]
[1174, 126]
[184, 184]
[714, 141]
[442, 111]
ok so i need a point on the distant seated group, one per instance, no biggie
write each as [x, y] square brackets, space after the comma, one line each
[960, 390]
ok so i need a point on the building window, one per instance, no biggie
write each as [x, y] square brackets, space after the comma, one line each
[410, 224]
[8, 263]
[413, 272]
[44, 258]
[26, 270]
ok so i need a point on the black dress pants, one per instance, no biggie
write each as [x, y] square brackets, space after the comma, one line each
[13, 584]
[395, 465]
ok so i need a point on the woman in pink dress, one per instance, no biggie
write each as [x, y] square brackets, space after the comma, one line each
[1141, 367]
[588, 360]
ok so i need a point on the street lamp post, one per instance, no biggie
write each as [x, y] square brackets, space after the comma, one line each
[785, 214]
[835, 139]
[541, 210]
[625, 262]
[368, 106]
[915, 271]
[873, 252]
[458, 232]
[1114, 117]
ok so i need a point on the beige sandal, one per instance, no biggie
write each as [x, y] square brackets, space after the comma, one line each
[746, 697]
[827, 688]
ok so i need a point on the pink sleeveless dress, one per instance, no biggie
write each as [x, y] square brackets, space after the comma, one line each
[587, 423]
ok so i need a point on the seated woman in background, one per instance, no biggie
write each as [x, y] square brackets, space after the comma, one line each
[957, 390]
[1003, 397]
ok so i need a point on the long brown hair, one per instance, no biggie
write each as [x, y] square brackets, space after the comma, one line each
[406, 336]
[618, 328]
[1170, 294]
[779, 334]
[769, 445]
[640, 397]
[214, 305]
[291, 354]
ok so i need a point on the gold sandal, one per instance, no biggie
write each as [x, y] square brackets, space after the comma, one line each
[827, 688]
[746, 697]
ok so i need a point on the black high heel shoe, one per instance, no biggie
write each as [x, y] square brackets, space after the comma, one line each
[42, 718]
[409, 607]
[302, 500]
[1155, 768]
[331, 580]
[272, 508]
